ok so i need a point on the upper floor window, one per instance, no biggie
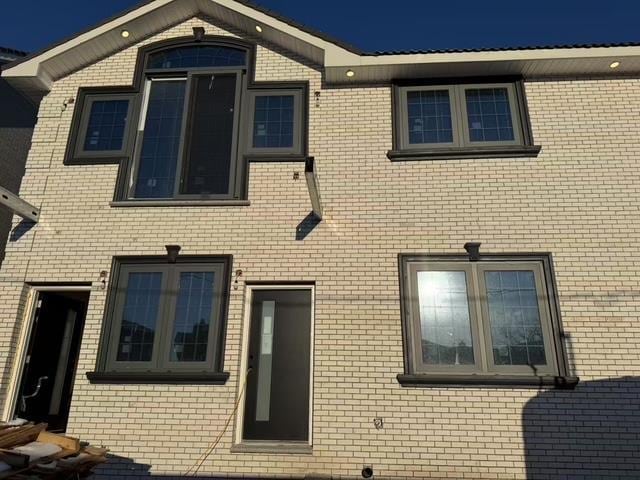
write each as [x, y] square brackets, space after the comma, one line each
[198, 56]
[192, 123]
[103, 132]
[487, 119]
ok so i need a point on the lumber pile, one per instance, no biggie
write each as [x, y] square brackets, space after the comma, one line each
[28, 451]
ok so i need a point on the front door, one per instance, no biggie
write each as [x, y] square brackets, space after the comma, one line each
[277, 401]
[52, 355]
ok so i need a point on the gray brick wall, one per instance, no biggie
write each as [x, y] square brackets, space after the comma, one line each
[579, 200]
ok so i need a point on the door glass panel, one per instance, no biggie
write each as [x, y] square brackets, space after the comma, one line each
[210, 136]
[489, 115]
[194, 308]
[161, 140]
[139, 317]
[263, 401]
[516, 331]
[444, 318]
[429, 116]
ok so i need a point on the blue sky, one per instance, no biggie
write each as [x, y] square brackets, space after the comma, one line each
[374, 24]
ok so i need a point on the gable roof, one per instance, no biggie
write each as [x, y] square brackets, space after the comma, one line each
[35, 73]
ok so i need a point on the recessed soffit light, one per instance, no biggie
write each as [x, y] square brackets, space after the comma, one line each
[258, 29]
[614, 65]
[350, 73]
[125, 34]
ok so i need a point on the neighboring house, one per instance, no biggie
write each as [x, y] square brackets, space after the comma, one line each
[17, 118]
[199, 295]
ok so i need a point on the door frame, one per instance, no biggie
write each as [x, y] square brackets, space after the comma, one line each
[244, 354]
[28, 317]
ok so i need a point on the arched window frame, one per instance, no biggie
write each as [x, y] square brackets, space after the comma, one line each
[146, 76]
[245, 151]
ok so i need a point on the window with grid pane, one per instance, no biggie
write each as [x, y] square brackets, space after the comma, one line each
[167, 317]
[273, 121]
[489, 115]
[429, 115]
[106, 125]
[491, 317]
[456, 117]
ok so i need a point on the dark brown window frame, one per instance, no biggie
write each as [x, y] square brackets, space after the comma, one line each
[104, 373]
[74, 154]
[525, 148]
[413, 376]
[245, 155]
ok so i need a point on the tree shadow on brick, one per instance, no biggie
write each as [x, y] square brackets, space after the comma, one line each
[592, 432]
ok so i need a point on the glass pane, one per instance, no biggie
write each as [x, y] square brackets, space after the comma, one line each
[198, 56]
[161, 140]
[106, 125]
[194, 307]
[263, 400]
[489, 115]
[273, 121]
[139, 317]
[210, 136]
[516, 331]
[429, 115]
[444, 318]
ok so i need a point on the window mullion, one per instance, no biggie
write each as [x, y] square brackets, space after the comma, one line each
[186, 120]
[165, 323]
[459, 111]
[483, 331]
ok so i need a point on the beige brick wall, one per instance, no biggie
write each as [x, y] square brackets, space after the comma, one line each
[579, 199]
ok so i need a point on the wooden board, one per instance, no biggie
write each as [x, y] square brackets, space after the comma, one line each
[68, 444]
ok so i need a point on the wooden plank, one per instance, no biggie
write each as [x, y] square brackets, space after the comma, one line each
[14, 459]
[69, 444]
[21, 435]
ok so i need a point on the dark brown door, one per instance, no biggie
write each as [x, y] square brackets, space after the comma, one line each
[277, 402]
[52, 356]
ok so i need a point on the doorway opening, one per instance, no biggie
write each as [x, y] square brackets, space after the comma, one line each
[278, 359]
[50, 359]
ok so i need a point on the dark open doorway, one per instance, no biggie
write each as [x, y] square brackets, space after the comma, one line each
[52, 357]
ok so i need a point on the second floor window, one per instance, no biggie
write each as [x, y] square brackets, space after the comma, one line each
[188, 128]
[464, 119]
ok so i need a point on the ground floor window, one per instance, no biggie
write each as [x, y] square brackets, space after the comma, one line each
[165, 317]
[494, 317]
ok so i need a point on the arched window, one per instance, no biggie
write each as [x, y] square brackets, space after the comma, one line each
[191, 122]
[197, 56]
[189, 130]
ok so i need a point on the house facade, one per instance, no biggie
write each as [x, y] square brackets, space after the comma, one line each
[262, 253]
[16, 127]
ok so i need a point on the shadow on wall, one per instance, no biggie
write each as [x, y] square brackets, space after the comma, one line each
[122, 467]
[592, 432]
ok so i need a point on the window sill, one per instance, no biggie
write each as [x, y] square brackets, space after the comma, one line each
[163, 378]
[275, 157]
[93, 160]
[511, 151]
[279, 448]
[420, 380]
[180, 203]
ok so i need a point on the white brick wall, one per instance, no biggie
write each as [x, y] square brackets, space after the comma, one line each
[579, 199]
